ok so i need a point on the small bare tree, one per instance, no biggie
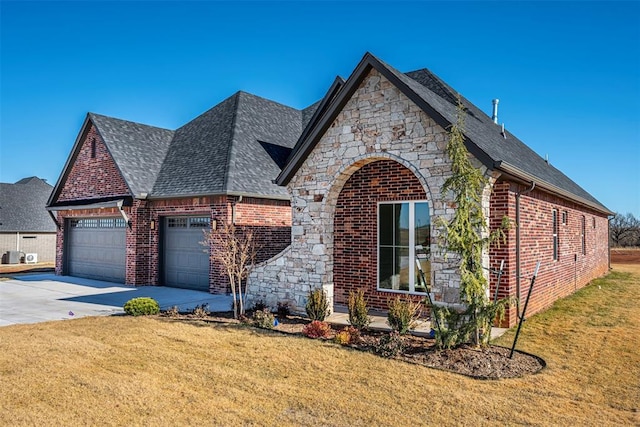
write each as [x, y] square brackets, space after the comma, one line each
[235, 250]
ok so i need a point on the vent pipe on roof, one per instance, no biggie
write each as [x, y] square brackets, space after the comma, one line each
[494, 116]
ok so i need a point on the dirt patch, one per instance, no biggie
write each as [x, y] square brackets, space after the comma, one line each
[27, 268]
[492, 362]
[625, 256]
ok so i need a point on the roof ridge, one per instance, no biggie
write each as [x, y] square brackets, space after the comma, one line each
[227, 165]
[92, 114]
[268, 100]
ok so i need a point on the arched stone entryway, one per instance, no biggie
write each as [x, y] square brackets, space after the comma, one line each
[355, 245]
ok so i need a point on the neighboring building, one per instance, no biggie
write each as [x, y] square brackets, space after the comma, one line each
[25, 225]
[365, 183]
[133, 200]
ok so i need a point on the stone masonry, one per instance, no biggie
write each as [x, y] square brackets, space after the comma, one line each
[378, 123]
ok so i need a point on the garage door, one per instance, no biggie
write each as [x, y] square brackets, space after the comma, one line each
[186, 261]
[96, 248]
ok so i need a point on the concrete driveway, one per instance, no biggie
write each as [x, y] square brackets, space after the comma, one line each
[37, 298]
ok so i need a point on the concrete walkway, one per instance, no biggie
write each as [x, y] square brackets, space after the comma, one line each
[34, 298]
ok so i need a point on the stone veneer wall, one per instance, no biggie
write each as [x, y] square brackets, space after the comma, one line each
[377, 123]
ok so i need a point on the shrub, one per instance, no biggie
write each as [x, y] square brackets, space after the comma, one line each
[390, 345]
[141, 306]
[358, 311]
[349, 335]
[317, 305]
[259, 305]
[403, 315]
[201, 311]
[284, 309]
[263, 319]
[173, 311]
[317, 329]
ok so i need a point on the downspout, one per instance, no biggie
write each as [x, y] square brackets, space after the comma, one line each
[518, 194]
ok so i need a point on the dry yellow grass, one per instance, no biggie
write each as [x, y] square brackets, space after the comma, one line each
[134, 371]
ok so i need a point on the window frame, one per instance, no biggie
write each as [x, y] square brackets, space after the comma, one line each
[412, 246]
[555, 234]
[584, 235]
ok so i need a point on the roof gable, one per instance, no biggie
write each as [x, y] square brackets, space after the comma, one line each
[483, 138]
[23, 206]
[90, 172]
[138, 150]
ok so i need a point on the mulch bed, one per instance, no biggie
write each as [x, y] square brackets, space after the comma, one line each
[492, 362]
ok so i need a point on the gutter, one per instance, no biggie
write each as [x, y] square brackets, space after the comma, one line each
[528, 178]
[118, 203]
[224, 193]
[518, 194]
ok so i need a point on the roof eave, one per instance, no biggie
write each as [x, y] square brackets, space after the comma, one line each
[222, 193]
[96, 203]
[517, 173]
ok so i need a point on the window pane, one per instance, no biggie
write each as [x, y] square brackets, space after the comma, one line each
[386, 268]
[402, 224]
[386, 224]
[423, 226]
[402, 268]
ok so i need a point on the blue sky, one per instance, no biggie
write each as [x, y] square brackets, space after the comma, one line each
[567, 73]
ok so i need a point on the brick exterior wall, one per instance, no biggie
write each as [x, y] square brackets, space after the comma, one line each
[143, 262]
[93, 177]
[557, 278]
[355, 236]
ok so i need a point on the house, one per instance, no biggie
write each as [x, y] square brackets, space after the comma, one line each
[25, 224]
[365, 181]
[133, 200]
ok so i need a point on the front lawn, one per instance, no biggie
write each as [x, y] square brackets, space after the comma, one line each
[154, 371]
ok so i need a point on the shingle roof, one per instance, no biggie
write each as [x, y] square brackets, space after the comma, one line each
[195, 163]
[220, 151]
[251, 168]
[138, 150]
[438, 100]
[237, 147]
[22, 206]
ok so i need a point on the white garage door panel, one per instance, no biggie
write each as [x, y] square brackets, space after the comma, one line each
[186, 261]
[96, 249]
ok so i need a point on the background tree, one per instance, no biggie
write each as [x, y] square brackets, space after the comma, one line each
[235, 250]
[624, 230]
[467, 234]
